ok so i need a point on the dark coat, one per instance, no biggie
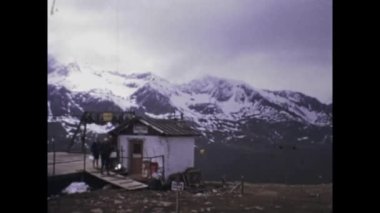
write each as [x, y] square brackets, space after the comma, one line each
[95, 148]
[105, 150]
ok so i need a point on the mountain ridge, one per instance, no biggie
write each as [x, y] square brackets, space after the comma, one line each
[215, 105]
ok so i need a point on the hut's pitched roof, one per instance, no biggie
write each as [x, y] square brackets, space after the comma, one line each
[167, 127]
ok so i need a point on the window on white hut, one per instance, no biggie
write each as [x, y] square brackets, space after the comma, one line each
[136, 148]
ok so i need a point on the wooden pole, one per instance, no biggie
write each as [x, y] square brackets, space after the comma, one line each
[52, 140]
[163, 168]
[84, 147]
[242, 185]
[177, 202]
[121, 156]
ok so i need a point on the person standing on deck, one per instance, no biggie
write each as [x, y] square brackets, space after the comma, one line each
[95, 153]
[105, 153]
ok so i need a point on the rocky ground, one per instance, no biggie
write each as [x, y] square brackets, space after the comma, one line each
[256, 198]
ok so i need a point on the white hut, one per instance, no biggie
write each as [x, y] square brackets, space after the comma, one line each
[147, 146]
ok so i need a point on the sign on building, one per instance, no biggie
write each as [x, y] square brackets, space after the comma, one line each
[177, 186]
[140, 129]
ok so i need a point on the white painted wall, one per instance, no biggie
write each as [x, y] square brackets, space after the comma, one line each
[180, 155]
[178, 151]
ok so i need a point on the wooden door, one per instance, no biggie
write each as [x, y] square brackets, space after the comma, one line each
[136, 156]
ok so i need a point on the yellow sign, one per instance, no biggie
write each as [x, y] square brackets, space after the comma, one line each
[107, 116]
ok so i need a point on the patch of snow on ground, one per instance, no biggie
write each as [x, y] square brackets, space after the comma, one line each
[76, 187]
[302, 139]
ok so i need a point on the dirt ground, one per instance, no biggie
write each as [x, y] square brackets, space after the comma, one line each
[256, 198]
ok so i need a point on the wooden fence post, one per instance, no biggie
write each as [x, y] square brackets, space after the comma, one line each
[242, 185]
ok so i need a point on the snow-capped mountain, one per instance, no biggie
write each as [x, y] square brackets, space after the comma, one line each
[216, 106]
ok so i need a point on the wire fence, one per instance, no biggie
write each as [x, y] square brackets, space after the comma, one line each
[149, 165]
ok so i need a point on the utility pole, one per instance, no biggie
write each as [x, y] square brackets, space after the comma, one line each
[84, 147]
[53, 144]
[177, 208]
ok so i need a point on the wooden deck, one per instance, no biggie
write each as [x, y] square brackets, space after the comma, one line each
[118, 180]
[68, 163]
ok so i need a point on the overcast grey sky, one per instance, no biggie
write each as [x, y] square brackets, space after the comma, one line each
[271, 44]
